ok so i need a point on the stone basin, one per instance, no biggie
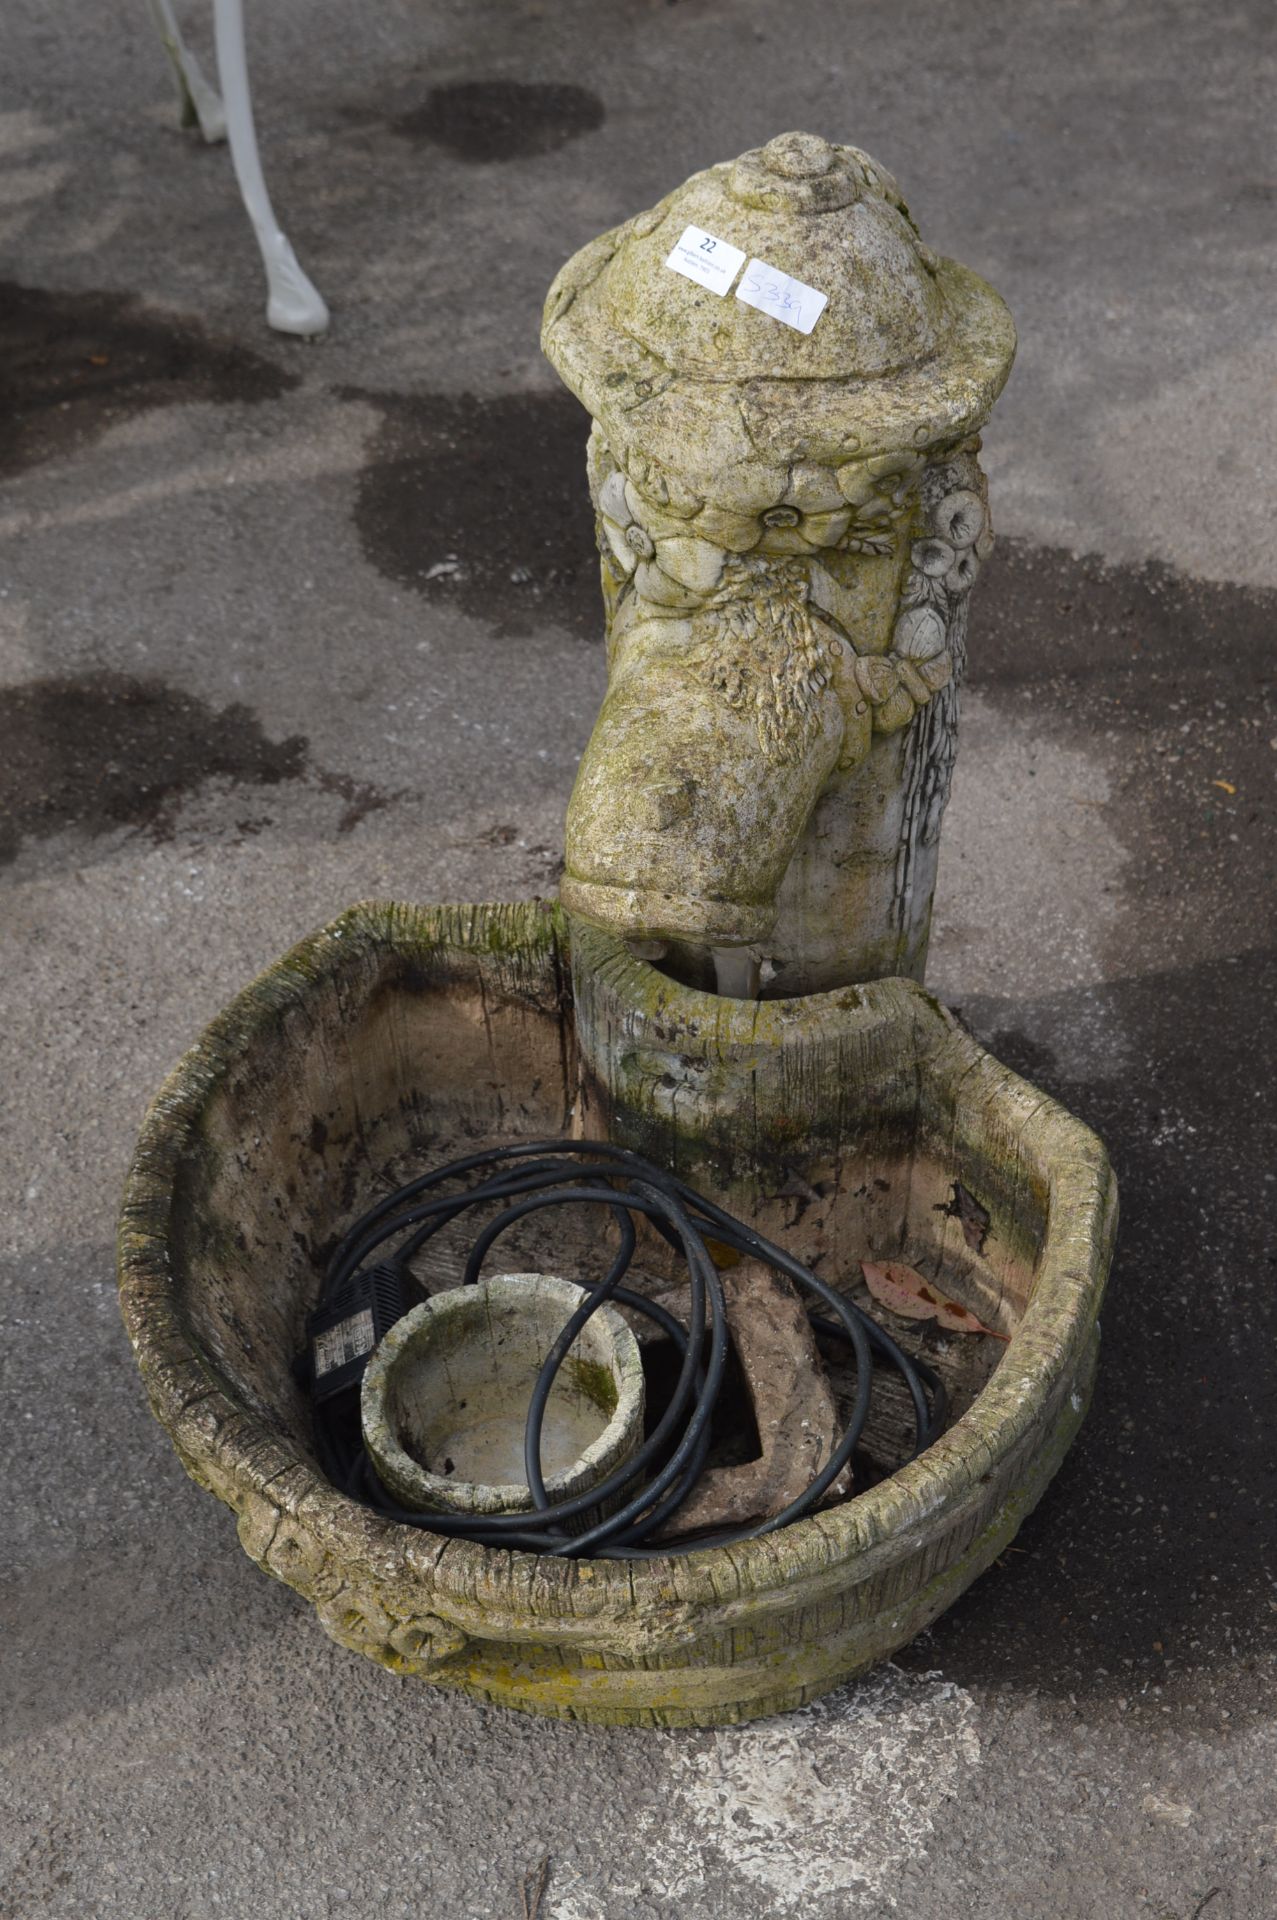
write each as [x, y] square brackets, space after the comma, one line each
[853, 1124]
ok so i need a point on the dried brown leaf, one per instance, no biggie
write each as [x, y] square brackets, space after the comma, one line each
[914, 1297]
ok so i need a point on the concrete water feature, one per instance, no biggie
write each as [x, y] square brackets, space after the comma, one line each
[791, 516]
[1101, 904]
[790, 531]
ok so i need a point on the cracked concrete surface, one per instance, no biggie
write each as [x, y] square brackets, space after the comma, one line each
[256, 664]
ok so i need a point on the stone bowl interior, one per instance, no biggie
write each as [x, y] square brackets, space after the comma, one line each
[400, 1036]
[300, 1138]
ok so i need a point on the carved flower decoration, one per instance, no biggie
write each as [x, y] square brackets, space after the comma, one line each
[805, 528]
[669, 564]
[950, 557]
[919, 634]
[942, 567]
[877, 491]
[675, 560]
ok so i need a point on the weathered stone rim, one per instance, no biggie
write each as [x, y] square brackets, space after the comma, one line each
[669, 916]
[193, 1402]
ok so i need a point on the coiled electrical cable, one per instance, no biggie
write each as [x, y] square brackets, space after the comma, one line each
[649, 1486]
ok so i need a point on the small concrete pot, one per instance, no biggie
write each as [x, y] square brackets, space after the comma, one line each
[446, 1395]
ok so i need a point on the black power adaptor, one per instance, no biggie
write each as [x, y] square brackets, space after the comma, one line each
[342, 1332]
[340, 1336]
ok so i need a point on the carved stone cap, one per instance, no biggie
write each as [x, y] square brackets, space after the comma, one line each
[911, 350]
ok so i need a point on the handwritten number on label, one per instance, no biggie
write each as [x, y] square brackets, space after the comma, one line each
[775, 293]
[780, 295]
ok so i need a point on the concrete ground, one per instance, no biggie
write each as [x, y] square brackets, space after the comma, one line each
[288, 625]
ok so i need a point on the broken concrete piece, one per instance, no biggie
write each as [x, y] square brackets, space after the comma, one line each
[793, 1408]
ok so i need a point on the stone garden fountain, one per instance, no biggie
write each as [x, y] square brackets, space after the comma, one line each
[787, 387]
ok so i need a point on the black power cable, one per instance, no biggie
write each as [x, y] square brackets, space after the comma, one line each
[359, 1303]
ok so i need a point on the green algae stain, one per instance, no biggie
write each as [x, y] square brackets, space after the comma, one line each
[595, 1382]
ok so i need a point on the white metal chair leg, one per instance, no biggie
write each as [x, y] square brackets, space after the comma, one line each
[200, 103]
[294, 304]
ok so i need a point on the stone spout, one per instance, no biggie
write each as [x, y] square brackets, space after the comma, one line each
[791, 515]
[718, 734]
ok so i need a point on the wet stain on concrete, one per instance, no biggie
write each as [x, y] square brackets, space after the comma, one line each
[484, 502]
[100, 751]
[360, 796]
[1131, 635]
[1151, 1558]
[1173, 681]
[74, 364]
[481, 120]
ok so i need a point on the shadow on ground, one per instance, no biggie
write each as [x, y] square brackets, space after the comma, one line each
[1153, 1554]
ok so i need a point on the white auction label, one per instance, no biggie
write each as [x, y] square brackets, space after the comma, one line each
[779, 294]
[711, 263]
